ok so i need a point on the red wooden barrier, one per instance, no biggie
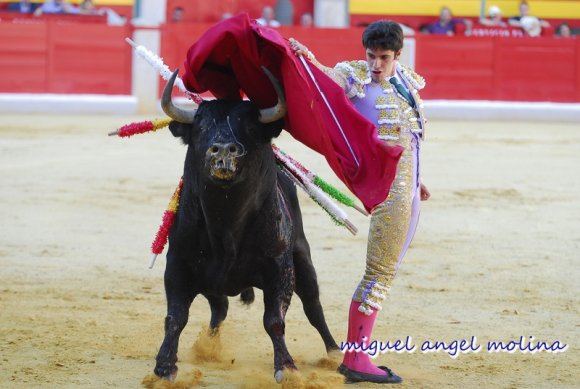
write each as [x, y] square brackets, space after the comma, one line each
[52, 57]
[509, 69]
[456, 67]
[462, 68]
[577, 70]
[17, 17]
[23, 57]
[330, 45]
[48, 56]
[89, 57]
[535, 69]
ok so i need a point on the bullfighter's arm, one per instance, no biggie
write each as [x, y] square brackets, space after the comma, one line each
[300, 50]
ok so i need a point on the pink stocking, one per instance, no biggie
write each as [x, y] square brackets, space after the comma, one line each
[359, 325]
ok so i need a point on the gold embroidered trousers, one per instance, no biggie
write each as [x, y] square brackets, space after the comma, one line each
[392, 227]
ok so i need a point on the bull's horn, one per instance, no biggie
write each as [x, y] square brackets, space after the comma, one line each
[174, 112]
[269, 115]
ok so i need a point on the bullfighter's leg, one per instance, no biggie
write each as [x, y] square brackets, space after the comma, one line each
[391, 229]
[219, 311]
[307, 290]
[178, 290]
[278, 289]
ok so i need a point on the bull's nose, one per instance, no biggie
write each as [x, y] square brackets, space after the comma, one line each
[224, 149]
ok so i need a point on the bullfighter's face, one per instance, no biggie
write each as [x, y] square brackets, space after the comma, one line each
[381, 63]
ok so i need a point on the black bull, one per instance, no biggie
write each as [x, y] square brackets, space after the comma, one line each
[238, 226]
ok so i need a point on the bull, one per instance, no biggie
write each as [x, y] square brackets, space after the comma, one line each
[238, 225]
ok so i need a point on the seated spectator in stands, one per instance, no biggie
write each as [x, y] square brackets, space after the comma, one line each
[447, 24]
[23, 7]
[531, 26]
[516, 21]
[284, 11]
[268, 18]
[54, 7]
[306, 20]
[564, 31]
[425, 28]
[87, 7]
[494, 19]
[177, 14]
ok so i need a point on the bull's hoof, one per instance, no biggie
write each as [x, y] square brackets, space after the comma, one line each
[335, 354]
[332, 348]
[168, 374]
[279, 375]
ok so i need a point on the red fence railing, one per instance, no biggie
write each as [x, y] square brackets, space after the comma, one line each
[54, 57]
[510, 69]
[49, 56]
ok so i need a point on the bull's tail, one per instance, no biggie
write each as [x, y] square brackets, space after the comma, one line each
[247, 296]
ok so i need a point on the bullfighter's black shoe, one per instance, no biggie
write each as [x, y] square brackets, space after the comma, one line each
[353, 376]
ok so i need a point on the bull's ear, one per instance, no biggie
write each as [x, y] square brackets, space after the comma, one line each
[272, 130]
[181, 130]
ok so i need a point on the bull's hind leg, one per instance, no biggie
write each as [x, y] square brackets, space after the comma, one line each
[307, 290]
[278, 289]
[219, 311]
[178, 290]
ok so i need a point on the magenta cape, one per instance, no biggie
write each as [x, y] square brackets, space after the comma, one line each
[227, 60]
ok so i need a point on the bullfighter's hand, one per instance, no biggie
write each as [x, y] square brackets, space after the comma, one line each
[299, 49]
[425, 194]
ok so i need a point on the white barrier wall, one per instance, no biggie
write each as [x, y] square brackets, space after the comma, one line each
[331, 13]
[145, 80]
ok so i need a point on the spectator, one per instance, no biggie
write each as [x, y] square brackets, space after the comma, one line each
[531, 26]
[87, 7]
[268, 18]
[54, 7]
[520, 20]
[24, 7]
[284, 10]
[177, 14]
[306, 20]
[425, 29]
[494, 19]
[564, 31]
[447, 25]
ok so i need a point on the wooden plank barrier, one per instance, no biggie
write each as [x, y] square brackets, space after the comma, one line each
[48, 56]
[497, 68]
[52, 57]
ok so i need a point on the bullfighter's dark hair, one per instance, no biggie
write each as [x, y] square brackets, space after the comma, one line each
[383, 34]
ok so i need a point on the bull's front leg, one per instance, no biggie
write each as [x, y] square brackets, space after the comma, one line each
[178, 290]
[278, 289]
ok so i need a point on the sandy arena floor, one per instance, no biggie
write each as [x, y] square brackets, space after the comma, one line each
[495, 257]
